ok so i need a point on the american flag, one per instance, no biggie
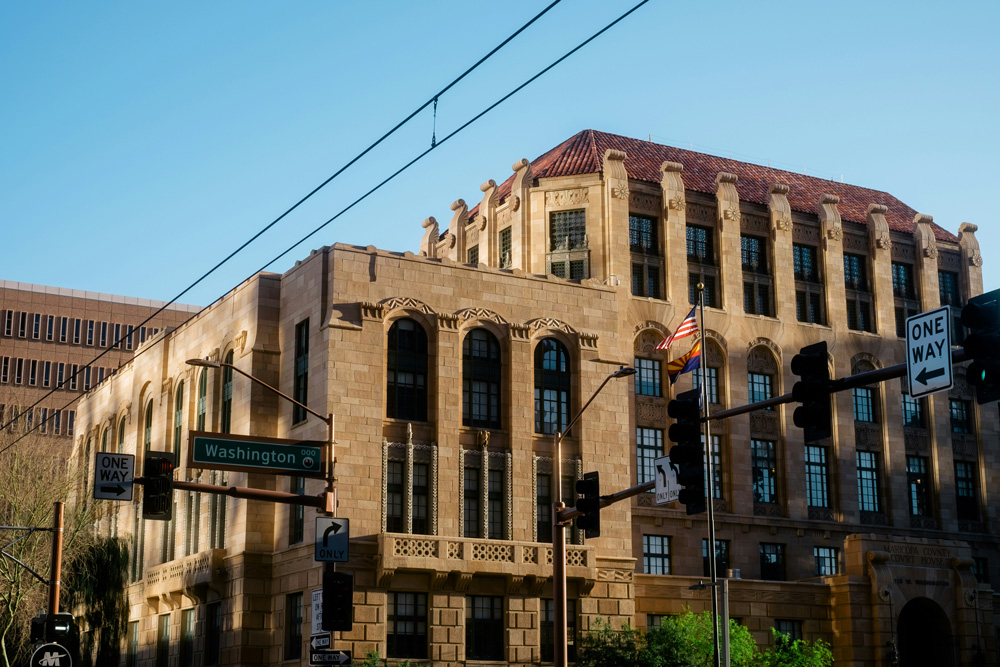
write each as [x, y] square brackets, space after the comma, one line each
[688, 327]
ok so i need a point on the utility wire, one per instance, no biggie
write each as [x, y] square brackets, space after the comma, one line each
[389, 178]
[432, 100]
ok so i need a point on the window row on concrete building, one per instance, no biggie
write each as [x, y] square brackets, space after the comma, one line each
[51, 374]
[72, 330]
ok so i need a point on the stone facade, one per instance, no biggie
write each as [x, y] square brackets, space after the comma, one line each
[447, 526]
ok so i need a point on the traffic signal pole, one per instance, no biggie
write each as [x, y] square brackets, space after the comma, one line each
[55, 570]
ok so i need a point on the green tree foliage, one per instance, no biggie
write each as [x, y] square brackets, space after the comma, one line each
[96, 583]
[686, 641]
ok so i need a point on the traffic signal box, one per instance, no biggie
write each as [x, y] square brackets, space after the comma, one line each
[982, 317]
[338, 600]
[589, 488]
[814, 416]
[58, 628]
[158, 491]
[688, 454]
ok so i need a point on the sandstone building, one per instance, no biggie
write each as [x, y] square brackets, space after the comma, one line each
[448, 370]
[49, 335]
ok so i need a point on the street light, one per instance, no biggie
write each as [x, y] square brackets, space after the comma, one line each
[331, 502]
[560, 635]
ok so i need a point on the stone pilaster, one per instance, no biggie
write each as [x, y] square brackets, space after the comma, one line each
[881, 267]
[674, 230]
[728, 250]
[927, 264]
[613, 256]
[486, 221]
[781, 237]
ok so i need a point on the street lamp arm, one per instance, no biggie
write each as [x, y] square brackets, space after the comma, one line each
[621, 372]
[219, 364]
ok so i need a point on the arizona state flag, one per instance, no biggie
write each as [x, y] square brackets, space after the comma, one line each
[685, 363]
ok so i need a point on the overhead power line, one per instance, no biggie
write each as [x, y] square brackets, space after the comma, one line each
[374, 189]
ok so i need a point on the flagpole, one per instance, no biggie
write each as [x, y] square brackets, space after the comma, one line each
[710, 468]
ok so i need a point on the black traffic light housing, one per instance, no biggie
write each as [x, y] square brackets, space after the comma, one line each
[589, 504]
[982, 317]
[688, 454]
[158, 487]
[58, 628]
[814, 416]
[338, 600]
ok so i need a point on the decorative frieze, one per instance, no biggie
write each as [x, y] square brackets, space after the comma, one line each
[855, 243]
[405, 302]
[754, 224]
[480, 314]
[576, 197]
[644, 202]
[650, 410]
[805, 233]
[700, 213]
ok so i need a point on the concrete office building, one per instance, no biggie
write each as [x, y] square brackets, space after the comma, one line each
[449, 369]
[48, 336]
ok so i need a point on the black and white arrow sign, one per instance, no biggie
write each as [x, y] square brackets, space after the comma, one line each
[319, 641]
[322, 657]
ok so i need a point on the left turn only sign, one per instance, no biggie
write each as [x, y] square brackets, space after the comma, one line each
[113, 476]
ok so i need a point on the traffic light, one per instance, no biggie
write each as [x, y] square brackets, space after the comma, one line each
[813, 392]
[982, 317]
[158, 491]
[688, 454]
[338, 600]
[589, 504]
[59, 629]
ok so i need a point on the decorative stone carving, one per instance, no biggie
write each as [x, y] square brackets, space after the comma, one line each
[620, 192]
[805, 233]
[755, 224]
[448, 321]
[821, 514]
[732, 214]
[393, 303]
[867, 436]
[950, 261]
[614, 165]
[650, 410]
[549, 323]
[648, 324]
[428, 244]
[931, 252]
[645, 499]
[476, 313]
[515, 203]
[855, 243]
[700, 213]
[520, 331]
[765, 424]
[503, 218]
[874, 519]
[567, 197]
[615, 576]
[643, 201]
[862, 362]
[964, 446]
[767, 509]
[969, 244]
[916, 441]
[762, 355]
[677, 204]
[878, 228]
[588, 340]
[923, 522]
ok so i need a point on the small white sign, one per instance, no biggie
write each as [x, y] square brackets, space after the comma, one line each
[667, 488]
[113, 476]
[928, 352]
[333, 539]
[316, 618]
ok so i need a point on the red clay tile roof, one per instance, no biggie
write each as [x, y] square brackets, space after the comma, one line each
[583, 153]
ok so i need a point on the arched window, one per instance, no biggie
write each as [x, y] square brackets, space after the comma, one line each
[121, 436]
[202, 399]
[552, 384]
[104, 440]
[147, 427]
[406, 372]
[178, 419]
[226, 413]
[481, 371]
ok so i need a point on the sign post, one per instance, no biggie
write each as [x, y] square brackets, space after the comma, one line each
[667, 488]
[928, 352]
[113, 475]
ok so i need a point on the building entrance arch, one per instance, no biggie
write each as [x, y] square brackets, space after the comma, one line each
[924, 635]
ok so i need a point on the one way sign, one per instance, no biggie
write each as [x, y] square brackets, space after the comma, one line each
[332, 539]
[113, 476]
[928, 352]
[329, 657]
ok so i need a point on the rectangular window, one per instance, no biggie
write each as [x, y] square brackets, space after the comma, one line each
[86, 378]
[713, 382]
[543, 507]
[790, 627]
[36, 326]
[57, 421]
[187, 638]
[959, 412]
[913, 412]
[472, 516]
[8, 326]
[61, 375]
[192, 524]
[645, 280]
[496, 505]
[981, 569]
[919, 483]
[213, 633]
[647, 377]
[142, 335]
[757, 299]
[5, 370]
[716, 465]
[642, 236]
[22, 326]
[656, 554]
[756, 276]
[484, 627]
[77, 323]
[70, 420]
[649, 447]
[568, 254]
[63, 329]
[473, 255]
[827, 561]
[817, 477]
[721, 557]
[547, 628]
[394, 499]
[421, 490]
[296, 513]
[129, 338]
[700, 248]
[965, 490]
[855, 272]
[805, 263]
[506, 255]
[868, 482]
[764, 471]
[117, 342]
[301, 370]
[406, 633]
[772, 561]
[163, 640]
[47, 374]
[293, 626]
[90, 333]
[132, 650]
[951, 295]
[18, 371]
[33, 372]
[864, 404]
[761, 387]
[73, 377]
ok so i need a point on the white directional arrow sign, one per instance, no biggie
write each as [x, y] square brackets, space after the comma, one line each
[928, 352]
[321, 657]
[667, 488]
[333, 537]
[113, 476]
[319, 641]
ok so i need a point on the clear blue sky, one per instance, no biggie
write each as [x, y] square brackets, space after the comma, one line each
[142, 142]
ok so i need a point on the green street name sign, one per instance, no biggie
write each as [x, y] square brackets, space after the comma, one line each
[217, 451]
